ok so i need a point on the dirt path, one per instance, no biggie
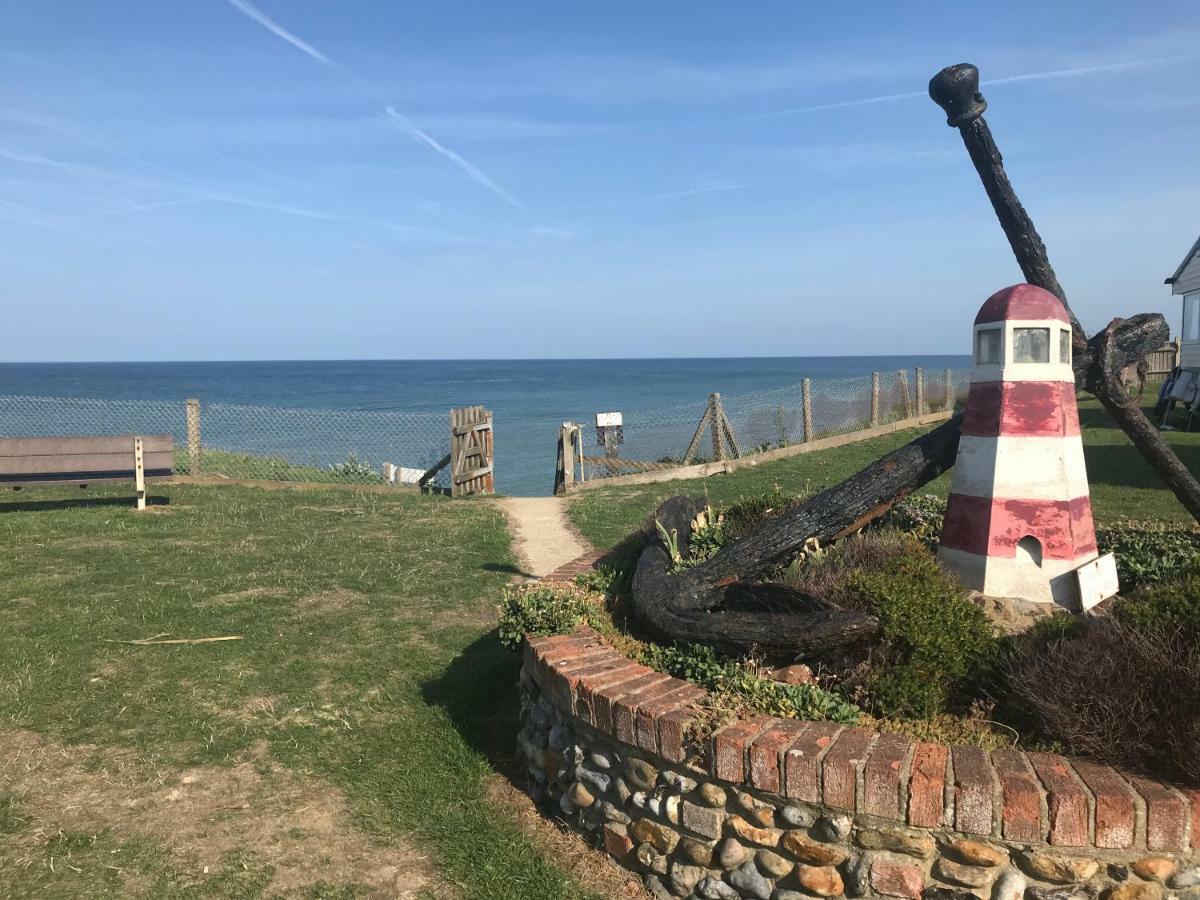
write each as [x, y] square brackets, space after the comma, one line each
[544, 536]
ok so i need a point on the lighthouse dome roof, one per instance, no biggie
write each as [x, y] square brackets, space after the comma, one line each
[1022, 301]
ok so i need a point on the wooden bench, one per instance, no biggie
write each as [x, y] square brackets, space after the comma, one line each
[86, 460]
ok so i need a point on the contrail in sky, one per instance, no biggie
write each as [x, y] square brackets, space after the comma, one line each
[398, 119]
[1077, 72]
[279, 31]
[474, 172]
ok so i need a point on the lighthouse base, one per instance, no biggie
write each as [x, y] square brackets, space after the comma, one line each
[1052, 581]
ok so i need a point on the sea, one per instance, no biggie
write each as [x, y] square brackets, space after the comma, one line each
[529, 398]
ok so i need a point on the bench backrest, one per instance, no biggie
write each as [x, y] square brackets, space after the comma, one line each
[33, 460]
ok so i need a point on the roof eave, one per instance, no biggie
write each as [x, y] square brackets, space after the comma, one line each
[1183, 265]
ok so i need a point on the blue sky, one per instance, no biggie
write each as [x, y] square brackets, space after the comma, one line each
[301, 179]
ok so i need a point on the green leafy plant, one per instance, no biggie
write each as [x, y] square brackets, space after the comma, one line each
[1150, 551]
[604, 580]
[738, 686]
[935, 641]
[670, 541]
[540, 610]
[357, 470]
[921, 516]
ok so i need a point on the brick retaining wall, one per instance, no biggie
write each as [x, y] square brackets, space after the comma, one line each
[817, 809]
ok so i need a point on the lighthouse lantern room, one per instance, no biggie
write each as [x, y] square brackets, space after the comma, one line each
[1019, 519]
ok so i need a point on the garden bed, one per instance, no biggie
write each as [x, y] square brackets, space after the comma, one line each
[952, 755]
[1122, 686]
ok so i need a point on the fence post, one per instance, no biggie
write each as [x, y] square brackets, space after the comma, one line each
[902, 381]
[806, 399]
[715, 414]
[949, 390]
[193, 436]
[564, 477]
[874, 399]
[920, 379]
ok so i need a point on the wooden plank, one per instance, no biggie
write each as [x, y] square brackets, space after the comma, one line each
[80, 478]
[91, 462]
[694, 443]
[124, 478]
[83, 444]
[704, 470]
[475, 473]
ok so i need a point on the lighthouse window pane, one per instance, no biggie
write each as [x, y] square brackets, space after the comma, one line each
[1064, 346]
[987, 347]
[1031, 345]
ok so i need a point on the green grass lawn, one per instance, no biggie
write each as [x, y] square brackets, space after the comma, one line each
[346, 741]
[1123, 484]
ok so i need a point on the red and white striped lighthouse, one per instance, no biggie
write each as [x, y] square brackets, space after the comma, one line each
[1019, 520]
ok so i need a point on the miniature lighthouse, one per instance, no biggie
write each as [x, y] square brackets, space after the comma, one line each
[1019, 520]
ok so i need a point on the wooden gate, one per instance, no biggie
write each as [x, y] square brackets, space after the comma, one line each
[471, 452]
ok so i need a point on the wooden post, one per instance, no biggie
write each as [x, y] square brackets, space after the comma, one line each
[806, 400]
[564, 477]
[874, 399]
[902, 383]
[920, 379]
[139, 473]
[714, 416]
[694, 443]
[949, 376]
[1178, 352]
[193, 436]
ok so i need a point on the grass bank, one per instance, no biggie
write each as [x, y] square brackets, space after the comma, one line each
[1122, 482]
[344, 746]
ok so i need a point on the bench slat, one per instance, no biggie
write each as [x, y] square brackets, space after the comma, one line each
[80, 445]
[69, 478]
[83, 463]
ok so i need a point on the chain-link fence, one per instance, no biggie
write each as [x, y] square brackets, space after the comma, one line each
[726, 427]
[254, 442]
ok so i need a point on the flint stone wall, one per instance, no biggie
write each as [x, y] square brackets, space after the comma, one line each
[776, 809]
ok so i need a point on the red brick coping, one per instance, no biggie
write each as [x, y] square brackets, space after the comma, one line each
[1007, 794]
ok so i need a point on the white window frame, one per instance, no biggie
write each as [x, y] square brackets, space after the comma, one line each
[1000, 330]
[1191, 318]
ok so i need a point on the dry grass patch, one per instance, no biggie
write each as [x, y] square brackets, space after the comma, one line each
[297, 825]
[586, 864]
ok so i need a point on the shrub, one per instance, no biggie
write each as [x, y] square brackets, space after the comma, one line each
[1172, 605]
[540, 610]
[1149, 552]
[741, 516]
[357, 470]
[936, 643]
[1112, 692]
[827, 576]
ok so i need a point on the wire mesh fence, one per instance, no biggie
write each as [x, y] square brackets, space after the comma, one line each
[656, 439]
[254, 442]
